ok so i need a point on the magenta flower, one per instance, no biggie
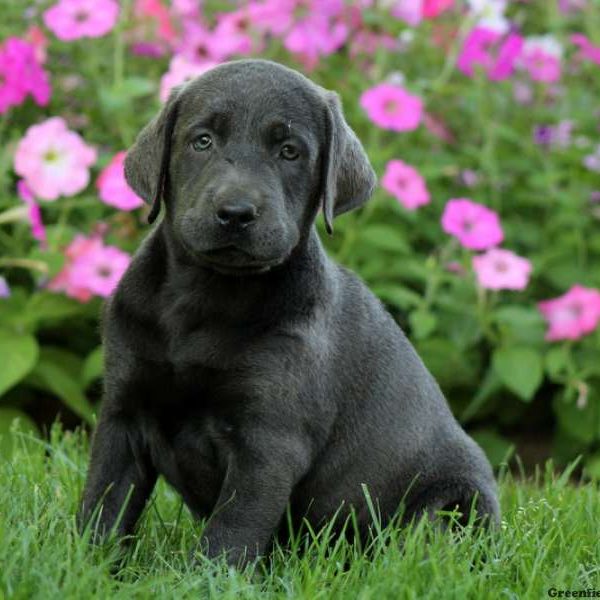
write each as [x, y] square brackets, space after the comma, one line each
[572, 315]
[35, 214]
[406, 184]
[100, 270]
[409, 11]
[491, 51]
[4, 288]
[392, 107]
[180, 71]
[53, 160]
[433, 8]
[200, 45]
[233, 34]
[112, 187]
[587, 50]
[476, 227]
[541, 57]
[500, 269]
[70, 20]
[21, 74]
[309, 28]
[91, 268]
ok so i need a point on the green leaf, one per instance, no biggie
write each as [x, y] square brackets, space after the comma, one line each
[449, 366]
[56, 377]
[397, 296]
[497, 448]
[557, 361]
[422, 323]
[12, 421]
[583, 423]
[46, 306]
[93, 366]
[19, 354]
[521, 323]
[384, 237]
[520, 370]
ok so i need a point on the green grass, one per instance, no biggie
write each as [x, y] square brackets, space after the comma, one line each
[549, 538]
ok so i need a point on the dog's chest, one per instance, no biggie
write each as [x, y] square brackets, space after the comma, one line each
[190, 449]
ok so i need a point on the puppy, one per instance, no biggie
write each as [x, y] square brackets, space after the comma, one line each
[242, 364]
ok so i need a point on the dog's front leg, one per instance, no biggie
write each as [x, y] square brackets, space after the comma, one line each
[257, 487]
[120, 479]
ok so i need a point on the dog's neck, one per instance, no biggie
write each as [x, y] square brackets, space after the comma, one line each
[286, 292]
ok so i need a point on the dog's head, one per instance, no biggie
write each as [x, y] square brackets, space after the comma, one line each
[243, 156]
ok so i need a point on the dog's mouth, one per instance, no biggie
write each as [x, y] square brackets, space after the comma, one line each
[230, 260]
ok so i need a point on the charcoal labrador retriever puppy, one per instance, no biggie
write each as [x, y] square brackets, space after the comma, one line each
[242, 364]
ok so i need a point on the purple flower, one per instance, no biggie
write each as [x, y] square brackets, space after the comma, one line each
[4, 289]
[558, 136]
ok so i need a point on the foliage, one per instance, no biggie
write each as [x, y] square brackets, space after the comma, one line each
[479, 138]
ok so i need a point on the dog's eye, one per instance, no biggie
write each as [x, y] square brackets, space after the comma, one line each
[289, 152]
[203, 142]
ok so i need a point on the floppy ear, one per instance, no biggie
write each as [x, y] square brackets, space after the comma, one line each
[348, 178]
[147, 161]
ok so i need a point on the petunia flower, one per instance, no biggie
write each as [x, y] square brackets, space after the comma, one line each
[499, 269]
[53, 160]
[71, 20]
[476, 227]
[91, 268]
[406, 184]
[490, 51]
[541, 58]
[391, 107]
[112, 187]
[572, 315]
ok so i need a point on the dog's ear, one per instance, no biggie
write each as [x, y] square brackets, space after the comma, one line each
[147, 161]
[348, 179]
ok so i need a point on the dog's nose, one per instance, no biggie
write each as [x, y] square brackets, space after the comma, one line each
[237, 216]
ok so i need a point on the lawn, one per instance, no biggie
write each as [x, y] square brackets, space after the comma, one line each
[548, 539]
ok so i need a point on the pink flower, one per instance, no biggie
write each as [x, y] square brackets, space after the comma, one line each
[73, 19]
[35, 214]
[587, 50]
[392, 107]
[490, 51]
[233, 34]
[314, 36]
[53, 160]
[113, 189]
[21, 74]
[91, 268]
[180, 71]
[476, 226]
[573, 314]
[154, 11]
[541, 57]
[100, 270]
[309, 28]
[406, 184]
[200, 45]
[433, 8]
[500, 269]
[409, 11]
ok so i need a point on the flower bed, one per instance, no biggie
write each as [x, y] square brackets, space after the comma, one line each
[481, 119]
